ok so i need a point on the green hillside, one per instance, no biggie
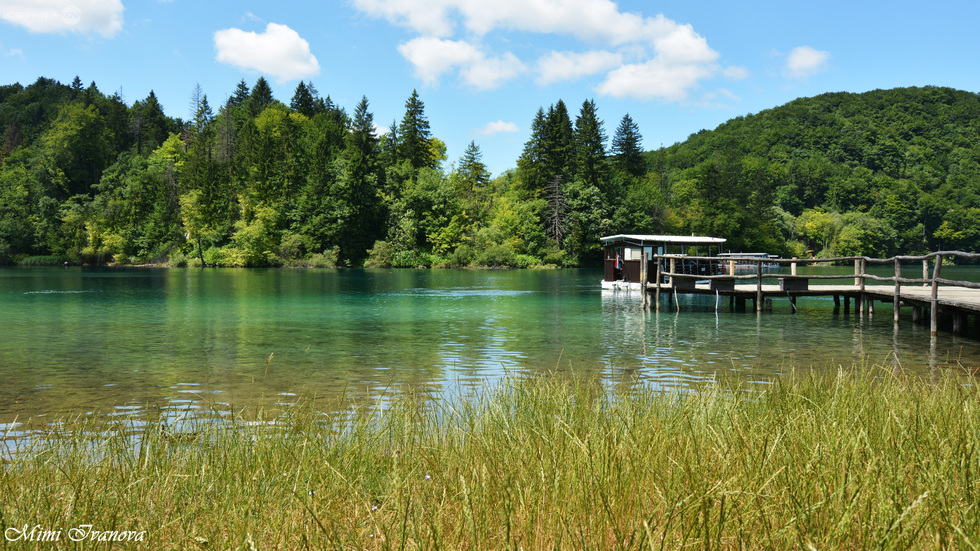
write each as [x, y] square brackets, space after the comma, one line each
[879, 173]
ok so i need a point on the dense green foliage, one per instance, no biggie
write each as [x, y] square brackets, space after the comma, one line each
[254, 182]
[881, 173]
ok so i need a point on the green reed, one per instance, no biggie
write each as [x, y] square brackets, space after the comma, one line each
[857, 459]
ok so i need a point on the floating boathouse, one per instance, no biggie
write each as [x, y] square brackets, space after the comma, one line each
[622, 256]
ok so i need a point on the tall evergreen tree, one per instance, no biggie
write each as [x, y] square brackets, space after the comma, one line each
[532, 172]
[414, 134]
[204, 116]
[590, 148]
[559, 148]
[628, 156]
[303, 100]
[240, 96]
[261, 96]
[149, 125]
[472, 172]
[361, 134]
[356, 192]
[76, 87]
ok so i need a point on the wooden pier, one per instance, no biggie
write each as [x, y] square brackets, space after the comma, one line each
[941, 298]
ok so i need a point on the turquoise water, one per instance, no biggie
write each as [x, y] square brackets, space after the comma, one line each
[121, 340]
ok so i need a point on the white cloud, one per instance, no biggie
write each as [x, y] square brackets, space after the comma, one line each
[488, 73]
[679, 44]
[654, 79]
[656, 47]
[595, 20]
[497, 127]
[590, 20]
[103, 17]
[736, 73]
[804, 62]
[10, 52]
[718, 99]
[280, 52]
[427, 17]
[560, 66]
[432, 57]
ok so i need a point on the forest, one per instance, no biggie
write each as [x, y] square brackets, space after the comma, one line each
[86, 178]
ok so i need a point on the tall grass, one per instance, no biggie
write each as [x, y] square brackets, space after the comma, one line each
[810, 461]
[42, 261]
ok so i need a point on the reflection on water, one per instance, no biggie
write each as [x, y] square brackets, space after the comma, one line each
[189, 341]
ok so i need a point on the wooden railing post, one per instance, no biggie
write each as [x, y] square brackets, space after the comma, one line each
[658, 281]
[864, 269]
[758, 286]
[643, 278]
[934, 314]
[857, 271]
[925, 270]
[897, 298]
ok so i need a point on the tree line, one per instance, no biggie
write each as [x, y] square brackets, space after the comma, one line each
[252, 181]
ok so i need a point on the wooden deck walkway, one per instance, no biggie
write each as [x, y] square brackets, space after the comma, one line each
[956, 301]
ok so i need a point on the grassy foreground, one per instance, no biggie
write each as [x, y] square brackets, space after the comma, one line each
[812, 461]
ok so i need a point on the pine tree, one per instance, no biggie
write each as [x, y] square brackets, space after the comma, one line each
[195, 101]
[240, 96]
[559, 148]
[556, 216]
[590, 149]
[626, 148]
[204, 116]
[472, 172]
[149, 125]
[361, 134]
[303, 100]
[531, 166]
[355, 194]
[414, 134]
[76, 86]
[92, 94]
[261, 96]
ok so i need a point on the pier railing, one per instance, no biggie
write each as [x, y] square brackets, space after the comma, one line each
[681, 272]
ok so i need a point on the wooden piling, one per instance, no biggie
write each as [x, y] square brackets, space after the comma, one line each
[934, 313]
[897, 297]
[758, 288]
[959, 323]
[657, 269]
[643, 280]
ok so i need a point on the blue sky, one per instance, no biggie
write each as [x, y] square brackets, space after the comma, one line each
[484, 68]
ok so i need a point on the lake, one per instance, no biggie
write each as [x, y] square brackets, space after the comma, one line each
[123, 340]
